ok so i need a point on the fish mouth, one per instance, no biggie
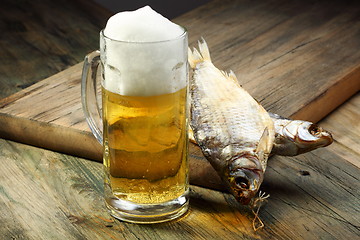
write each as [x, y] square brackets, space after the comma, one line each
[244, 184]
[311, 136]
[323, 135]
[308, 132]
[244, 181]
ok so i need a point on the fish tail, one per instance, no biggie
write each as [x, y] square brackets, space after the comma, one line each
[201, 55]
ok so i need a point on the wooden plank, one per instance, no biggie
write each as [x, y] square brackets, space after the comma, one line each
[312, 186]
[289, 55]
[44, 194]
[49, 195]
[345, 126]
[40, 39]
[270, 51]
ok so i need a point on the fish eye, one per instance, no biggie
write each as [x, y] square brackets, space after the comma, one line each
[242, 182]
[314, 129]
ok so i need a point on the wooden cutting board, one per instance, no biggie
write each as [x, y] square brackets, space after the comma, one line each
[298, 59]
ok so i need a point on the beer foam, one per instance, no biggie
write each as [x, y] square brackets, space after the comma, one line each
[142, 25]
[142, 62]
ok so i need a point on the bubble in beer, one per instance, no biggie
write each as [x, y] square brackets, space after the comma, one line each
[145, 60]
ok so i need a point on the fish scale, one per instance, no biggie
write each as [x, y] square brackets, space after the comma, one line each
[233, 130]
[227, 119]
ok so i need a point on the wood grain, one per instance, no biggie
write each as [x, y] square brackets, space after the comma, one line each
[55, 196]
[285, 64]
[289, 55]
[36, 44]
[345, 126]
[47, 195]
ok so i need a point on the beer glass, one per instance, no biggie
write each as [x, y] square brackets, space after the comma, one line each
[142, 125]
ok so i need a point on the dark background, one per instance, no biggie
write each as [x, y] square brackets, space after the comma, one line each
[169, 9]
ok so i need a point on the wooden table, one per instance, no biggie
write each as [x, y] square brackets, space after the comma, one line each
[50, 195]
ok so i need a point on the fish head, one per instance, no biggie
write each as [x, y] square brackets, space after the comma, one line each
[308, 136]
[245, 177]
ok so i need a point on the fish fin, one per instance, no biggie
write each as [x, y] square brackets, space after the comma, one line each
[264, 147]
[204, 50]
[201, 55]
[194, 57]
[191, 135]
[231, 75]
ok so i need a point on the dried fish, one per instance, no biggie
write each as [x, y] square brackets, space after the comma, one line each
[234, 132]
[294, 137]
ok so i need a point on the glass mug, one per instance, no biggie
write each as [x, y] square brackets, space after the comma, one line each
[142, 124]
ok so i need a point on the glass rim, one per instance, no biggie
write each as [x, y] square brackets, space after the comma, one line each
[182, 35]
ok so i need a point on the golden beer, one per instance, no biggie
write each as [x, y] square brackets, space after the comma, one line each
[145, 146]
[143, 72]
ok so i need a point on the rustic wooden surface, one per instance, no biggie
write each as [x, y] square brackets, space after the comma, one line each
[289, 85]
[345, 126]
[48, 195]
[285, 52]
[52, 195]
[39, 39]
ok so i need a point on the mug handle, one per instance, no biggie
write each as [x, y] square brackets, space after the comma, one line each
[89, 94]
